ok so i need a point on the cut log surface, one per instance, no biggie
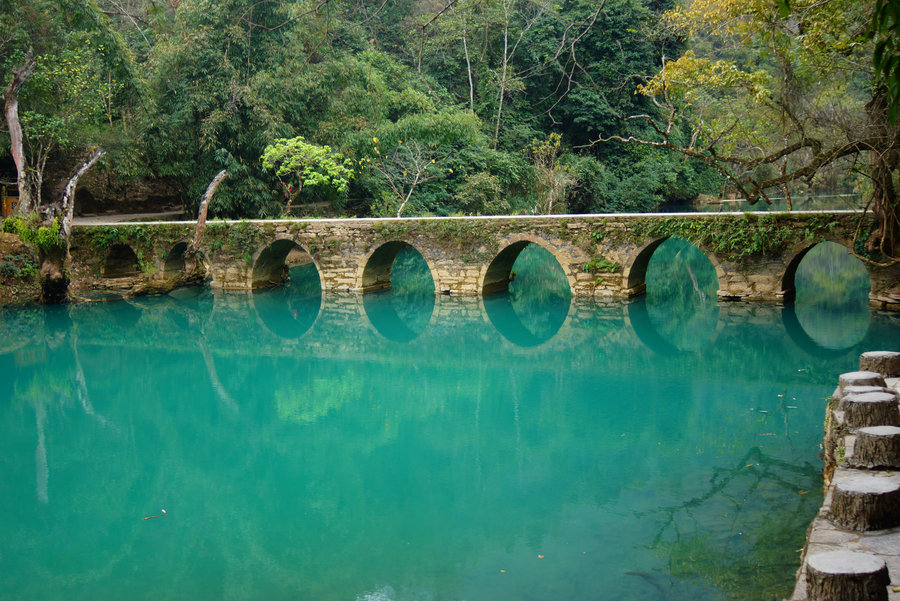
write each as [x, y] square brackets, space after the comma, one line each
[846, 576]
[886, 363]
[866, 502]
[860, 378]
[862, 390]
[876, 447]
[871, 409]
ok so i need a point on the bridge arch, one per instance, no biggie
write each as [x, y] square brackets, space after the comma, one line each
[270, 263]
[173, 262]
[121, 262]
[635, 273]
[788, 279]
[374, 271]
[496, 275]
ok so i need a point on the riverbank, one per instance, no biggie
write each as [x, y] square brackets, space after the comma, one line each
[854, 530]
[19, 272]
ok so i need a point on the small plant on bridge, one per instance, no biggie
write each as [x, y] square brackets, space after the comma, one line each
[600, 264]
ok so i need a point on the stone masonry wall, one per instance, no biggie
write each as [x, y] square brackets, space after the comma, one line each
[603, 256]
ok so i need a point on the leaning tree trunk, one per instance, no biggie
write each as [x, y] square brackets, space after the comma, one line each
[54, 279]
[194, 271]
[194, 247]
[68, 199]
[11, 112]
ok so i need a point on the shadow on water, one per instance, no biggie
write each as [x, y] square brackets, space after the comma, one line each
[402, 312]
[289, 311]
[535, 307]
[680, 311]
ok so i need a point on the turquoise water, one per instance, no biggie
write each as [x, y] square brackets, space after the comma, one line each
[402, 446]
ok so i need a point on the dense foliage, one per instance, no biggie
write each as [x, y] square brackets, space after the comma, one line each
[470, 106]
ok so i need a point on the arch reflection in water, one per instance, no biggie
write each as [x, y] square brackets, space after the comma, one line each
[402, 310]
[680, 308]
[832, 297]
[537, 302]
[290, 310]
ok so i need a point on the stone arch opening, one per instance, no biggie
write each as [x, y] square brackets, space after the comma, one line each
[827, 291]
[678, 259]
[527, 294]
[538, 265]
[274, 264]
[174, 264]
[378, 273]
[636, 277]
[287, 289]
[121, 262]
[679, 311]
[828, 266]
[404, 292]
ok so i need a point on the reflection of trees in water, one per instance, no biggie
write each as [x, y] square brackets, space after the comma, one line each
[290, 310]
[537, 302]
[681, 294]
[832, 296]
[402, 312]
[740, 563]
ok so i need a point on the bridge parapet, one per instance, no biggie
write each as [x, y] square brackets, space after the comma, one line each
[603, 256]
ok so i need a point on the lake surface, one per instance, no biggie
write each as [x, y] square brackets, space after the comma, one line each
[293, 445]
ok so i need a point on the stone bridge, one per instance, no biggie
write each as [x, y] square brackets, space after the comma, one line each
[755, 255]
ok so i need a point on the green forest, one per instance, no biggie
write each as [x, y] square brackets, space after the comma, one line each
[452, 107]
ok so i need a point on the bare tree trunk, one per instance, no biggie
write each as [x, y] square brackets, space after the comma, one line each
[468, 69]
[68, 198]
[503, 72]
[194, 246]
[11, 112]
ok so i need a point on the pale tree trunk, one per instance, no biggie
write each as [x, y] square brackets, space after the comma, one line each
[68, 198]
[194, 268]
[54, 281]
[194, 247]
[468, 69]
[11, 112]
[502, 92]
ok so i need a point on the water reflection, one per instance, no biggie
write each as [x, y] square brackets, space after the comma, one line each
[831, 305]
[290, 310]
[537, 302]
[586, 467]
[680, 311]
[401, 312]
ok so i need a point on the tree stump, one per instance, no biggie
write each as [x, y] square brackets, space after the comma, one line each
[846, 576]
[871, 409]
[861, 390]
[876, 447]
[887, 363]
[859, 378]
[866, 503]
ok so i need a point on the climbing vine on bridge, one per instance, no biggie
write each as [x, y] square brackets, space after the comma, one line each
[740, 238]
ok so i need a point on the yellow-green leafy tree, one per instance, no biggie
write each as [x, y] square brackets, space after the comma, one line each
[773, 94]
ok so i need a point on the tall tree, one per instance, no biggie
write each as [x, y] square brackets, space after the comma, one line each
[771, 96]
